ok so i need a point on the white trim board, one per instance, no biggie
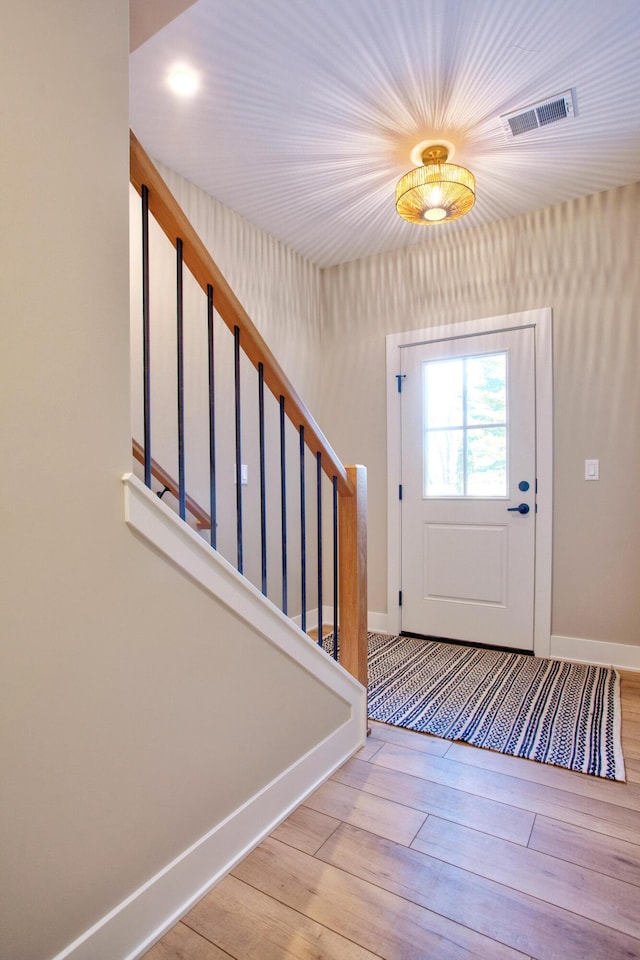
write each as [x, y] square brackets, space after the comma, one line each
[600, 653]
[541, 321]
[376, 622]
[129, 930]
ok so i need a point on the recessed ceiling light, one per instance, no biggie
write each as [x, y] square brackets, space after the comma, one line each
[183, 82]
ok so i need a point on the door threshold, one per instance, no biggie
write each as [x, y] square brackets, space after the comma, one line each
[465, 643]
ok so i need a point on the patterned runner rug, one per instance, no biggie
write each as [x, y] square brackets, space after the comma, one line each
[566, 714]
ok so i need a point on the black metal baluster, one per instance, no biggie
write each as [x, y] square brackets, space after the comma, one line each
[303, 536]
[146, 378]
[319, 499]
[283, 505]
[212, 420]
[236, 341]
[335, 568]
[263, 480]
[182, 494]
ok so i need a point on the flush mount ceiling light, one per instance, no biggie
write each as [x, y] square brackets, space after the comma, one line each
[183, 82]
[436, 192]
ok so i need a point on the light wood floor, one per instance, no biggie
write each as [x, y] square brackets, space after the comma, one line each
[423, 848]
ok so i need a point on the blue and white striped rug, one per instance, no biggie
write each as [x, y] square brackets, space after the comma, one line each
[566, 714]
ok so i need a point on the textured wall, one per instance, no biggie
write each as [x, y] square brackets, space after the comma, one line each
[279, 289]
[579, 258]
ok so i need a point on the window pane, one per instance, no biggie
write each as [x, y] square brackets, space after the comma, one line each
[443, 469]
[487, 462]
[486, 389]
[443, 380]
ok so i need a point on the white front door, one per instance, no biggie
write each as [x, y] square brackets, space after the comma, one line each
[468, 476]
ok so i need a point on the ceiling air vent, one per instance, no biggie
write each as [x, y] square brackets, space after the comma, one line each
[559, 107]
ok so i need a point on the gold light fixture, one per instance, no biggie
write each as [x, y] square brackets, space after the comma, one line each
[436, 192]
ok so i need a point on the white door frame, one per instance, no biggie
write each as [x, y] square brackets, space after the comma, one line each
[541, 321]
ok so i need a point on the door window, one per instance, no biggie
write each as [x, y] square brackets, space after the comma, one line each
[465, 426]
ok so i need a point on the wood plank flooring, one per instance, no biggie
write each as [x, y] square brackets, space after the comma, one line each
[423, 849]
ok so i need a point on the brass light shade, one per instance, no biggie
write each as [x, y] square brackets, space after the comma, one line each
[437, 192]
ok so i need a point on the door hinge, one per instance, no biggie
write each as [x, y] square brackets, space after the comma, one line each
[399, 598]
[400, 377]
[399, 491]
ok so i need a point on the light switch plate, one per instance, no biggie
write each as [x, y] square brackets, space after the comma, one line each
[244, 474]
[592, 469]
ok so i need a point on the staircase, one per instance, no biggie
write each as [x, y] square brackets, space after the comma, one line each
[307, 524]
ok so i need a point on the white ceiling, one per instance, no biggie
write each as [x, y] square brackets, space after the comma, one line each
[307, 111]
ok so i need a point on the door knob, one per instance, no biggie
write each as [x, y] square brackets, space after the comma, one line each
[521, 508]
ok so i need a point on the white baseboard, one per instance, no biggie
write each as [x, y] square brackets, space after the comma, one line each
[378, 622]
[129, 930]
[621, 655]
[312, 618]
[598, 652]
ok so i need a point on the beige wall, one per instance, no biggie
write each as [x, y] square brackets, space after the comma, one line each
[135, 713]
[579, 258]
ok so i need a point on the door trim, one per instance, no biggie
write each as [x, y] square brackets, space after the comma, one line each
[541, 321]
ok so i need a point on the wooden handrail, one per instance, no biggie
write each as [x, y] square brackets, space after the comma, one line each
[197, 258]
[201, 516]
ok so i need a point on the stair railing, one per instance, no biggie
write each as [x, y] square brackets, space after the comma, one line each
[169, 485]
[348, 484]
